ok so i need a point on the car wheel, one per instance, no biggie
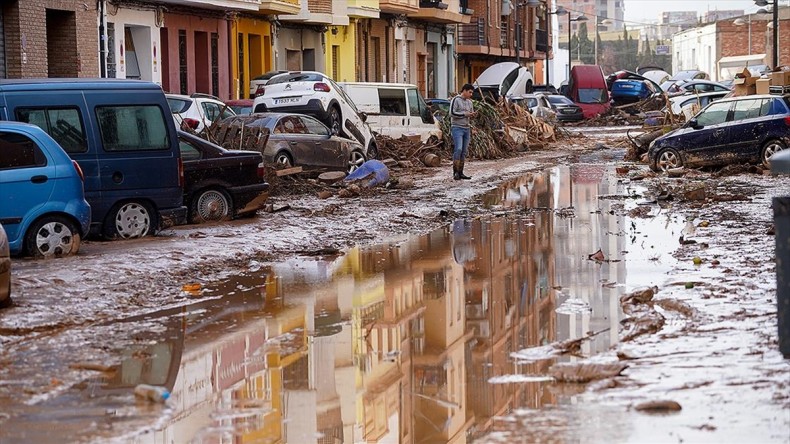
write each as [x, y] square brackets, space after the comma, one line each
[211, 205]
[129, 220]
[668, 159]
[52, 236]
[373, 151]
[355, 161]
[283, 160]
[769, 149]
[335, 121]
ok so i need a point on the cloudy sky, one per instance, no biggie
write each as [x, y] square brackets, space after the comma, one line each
[649, 10]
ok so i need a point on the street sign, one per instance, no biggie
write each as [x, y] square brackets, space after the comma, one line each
[662, 49]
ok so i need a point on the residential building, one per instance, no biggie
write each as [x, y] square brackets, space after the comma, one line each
[716, 15]
[613, 10]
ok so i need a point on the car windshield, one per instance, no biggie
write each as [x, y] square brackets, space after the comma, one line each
[296, 77]
[560, 100]
[592, 95]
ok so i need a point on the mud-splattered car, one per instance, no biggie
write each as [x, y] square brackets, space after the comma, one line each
[301, 140]
[732, 130]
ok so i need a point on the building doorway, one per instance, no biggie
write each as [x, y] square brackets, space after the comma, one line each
[62, 57]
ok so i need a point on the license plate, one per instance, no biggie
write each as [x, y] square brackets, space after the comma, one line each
[286, 100]
[627, 86]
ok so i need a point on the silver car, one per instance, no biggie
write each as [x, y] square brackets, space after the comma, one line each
[5, 270]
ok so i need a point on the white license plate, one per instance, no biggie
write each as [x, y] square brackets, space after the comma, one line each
[286, 100]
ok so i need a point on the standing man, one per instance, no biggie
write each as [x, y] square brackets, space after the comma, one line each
[461, 111]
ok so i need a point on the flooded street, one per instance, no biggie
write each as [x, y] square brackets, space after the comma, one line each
[408, 341]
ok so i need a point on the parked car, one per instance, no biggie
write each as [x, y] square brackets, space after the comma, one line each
[240, 106]
[565, 109]
[658, 76]
[315, 94]
[393, 109]
[301, 140]
[258, 83]
[503, 79]
[124, 139]
[220, 184]
[5, 270]
[198, 110]
[537, 104]
[545, 89]
[697, 86]
[626, 91]
[730, 130]
[42, 207]
[691, 74]
[686, 103]
[439, 107]
[587, 88]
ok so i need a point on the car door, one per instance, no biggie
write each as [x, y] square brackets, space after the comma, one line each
[420, 118]
[749, 123]
[326, 150]
[704, 144]
[26, 178]
[291, 130]
[394, 112]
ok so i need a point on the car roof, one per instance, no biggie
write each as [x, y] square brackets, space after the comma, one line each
[75, 83]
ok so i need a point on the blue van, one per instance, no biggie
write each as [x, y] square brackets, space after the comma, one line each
[124, 138]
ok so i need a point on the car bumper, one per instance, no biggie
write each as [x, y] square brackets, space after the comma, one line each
[169, 217]
[570, 117]
[314, 108]
[250, 198]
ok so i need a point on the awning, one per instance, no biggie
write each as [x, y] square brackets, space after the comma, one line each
[732, 65]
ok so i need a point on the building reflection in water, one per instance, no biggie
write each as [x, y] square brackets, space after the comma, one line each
[391, 343]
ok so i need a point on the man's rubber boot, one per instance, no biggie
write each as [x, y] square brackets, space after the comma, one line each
[461, 171]
[456, 171]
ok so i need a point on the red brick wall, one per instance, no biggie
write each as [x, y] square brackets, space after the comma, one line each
[734, 39]
[320, 6]
[73, 39]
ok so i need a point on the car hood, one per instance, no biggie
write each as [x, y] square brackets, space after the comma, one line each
[495, 74]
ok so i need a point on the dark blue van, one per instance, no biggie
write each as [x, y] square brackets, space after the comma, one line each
[124, 138]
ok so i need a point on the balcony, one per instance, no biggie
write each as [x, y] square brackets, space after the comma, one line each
[364, 8]
[320, 12]
[441, 11]
[472, 37]
[541, 40]
[225, 5]
[409, 7]
[275, 7]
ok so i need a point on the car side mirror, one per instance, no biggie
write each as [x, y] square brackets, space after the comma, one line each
[363, 116]
[694, 124]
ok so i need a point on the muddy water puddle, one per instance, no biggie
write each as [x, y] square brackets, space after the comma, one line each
[409, 341]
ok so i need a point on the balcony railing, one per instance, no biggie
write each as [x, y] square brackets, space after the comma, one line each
[473, 33]
[541, 40]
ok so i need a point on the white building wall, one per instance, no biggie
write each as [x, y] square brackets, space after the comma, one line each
[696, 48]
[145, 33]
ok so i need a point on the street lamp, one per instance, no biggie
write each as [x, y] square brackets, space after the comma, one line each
[581, 18]
[775, 5]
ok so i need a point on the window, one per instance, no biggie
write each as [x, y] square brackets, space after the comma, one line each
[392, 102]
[18, 151]
[211, 110]
[290, 125]
[188, 151]
[132, 128]
[592, 95]
[63, 124]
[314, 126]
[749, 109]
[715, 114]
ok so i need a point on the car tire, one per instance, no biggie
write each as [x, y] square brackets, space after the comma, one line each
[211, 205]
[129, 220]
[769, 149]
[52, 236]
[355, 160]
[668, 159]
[335, 123]
[283, 160]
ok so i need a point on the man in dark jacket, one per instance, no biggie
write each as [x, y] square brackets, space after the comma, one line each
[461, 111]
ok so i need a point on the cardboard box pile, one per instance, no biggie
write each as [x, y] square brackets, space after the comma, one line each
[745, 84]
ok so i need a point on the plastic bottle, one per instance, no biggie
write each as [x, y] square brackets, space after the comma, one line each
[152, 393]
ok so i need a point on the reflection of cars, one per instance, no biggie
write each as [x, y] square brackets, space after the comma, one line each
[218, 183]
[198, 110]
[736, 129]
[315, 94]
[240, 106]
[537, 104]
[258, 84]
[42, 205]
[297, 139]
[438, 107]
[685, 104]
[630, 90]
[5, 270]
[565, 109]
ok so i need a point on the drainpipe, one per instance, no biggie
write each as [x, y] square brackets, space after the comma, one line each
[103, 37]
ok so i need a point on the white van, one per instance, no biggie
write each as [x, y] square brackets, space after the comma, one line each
[393, 109]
